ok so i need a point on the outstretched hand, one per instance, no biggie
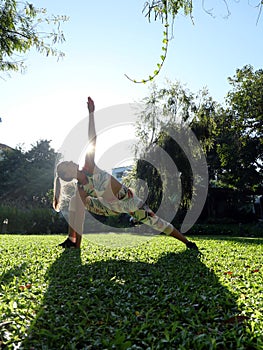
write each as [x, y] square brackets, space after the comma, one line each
[91, 105]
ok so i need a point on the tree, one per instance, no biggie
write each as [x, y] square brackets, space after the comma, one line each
[175, 104]
[27, 177]
[246, 101]
[173, 108]
[21, 28]
[240, 142]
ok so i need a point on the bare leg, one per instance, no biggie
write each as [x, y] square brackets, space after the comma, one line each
[176, 234]
[71, 231]
[74, 237]
[78, 240]
[76, 220]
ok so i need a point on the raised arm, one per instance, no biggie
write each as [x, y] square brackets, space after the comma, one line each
[90, 155]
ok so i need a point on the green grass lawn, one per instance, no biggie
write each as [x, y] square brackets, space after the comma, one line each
[130, 292]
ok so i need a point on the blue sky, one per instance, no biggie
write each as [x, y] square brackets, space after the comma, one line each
[107, 39]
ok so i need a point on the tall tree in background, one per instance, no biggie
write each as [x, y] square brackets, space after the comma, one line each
[27, 177]
[23, 27]
[166, 109]
[240, 142]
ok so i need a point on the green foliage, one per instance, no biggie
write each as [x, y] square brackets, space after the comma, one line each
[176, 105]
[239, 144]
[159, 65]
[152, 295]
[159, 9]
[27, 177]
[11, 219]
[231, 137]
[22, 27]
[165, 11]
[33, 220]
[227, 227]
[166, 109]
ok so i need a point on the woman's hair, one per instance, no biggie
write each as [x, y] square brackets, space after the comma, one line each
[60, 173]
[56, 196]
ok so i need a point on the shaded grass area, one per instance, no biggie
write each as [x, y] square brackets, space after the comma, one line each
[129, 292]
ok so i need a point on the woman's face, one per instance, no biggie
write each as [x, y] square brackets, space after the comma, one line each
[67, 171]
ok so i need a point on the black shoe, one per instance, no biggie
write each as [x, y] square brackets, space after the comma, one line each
[192, 245]
[67, 244]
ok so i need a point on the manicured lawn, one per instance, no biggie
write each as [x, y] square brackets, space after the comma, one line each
[130, 292]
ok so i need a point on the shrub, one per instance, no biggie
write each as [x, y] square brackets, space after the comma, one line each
[35, 220]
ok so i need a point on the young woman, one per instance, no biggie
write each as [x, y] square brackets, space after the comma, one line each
[103, 194]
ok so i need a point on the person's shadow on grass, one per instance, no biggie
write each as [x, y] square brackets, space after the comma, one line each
[175, 303]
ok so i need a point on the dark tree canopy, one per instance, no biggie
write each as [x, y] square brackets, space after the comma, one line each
[240, 141]
[230, 136]
[27, 177]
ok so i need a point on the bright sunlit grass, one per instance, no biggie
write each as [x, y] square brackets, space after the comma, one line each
[130, 292]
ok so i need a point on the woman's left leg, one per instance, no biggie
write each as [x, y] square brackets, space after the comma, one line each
[146, 216]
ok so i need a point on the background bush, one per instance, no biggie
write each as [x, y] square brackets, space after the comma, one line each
[35, 220]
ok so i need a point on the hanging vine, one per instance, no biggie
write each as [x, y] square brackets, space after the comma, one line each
[166, 11]
[160, 10]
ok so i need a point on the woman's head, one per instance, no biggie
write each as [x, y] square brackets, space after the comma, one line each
[67, 171]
